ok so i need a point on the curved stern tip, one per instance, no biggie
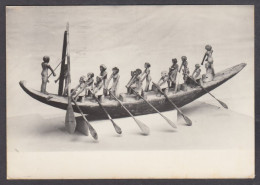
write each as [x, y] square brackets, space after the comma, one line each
[22, 83]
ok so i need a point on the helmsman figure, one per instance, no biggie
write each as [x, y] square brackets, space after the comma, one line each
[44, 74]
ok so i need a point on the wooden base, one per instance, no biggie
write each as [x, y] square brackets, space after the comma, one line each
[81, 126]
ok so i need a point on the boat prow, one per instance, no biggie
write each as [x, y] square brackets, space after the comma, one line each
[137, 107]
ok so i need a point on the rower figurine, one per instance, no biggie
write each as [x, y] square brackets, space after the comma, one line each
[78, 92]
[196, 75]
[147, 76]
[44, 74]
[173, 71]
[98, 88]
[185, 72]
[115, 76]
[103, 76]
[137, 83]
[89, 84]
[133, 76]
[163, 83]
[65, 91]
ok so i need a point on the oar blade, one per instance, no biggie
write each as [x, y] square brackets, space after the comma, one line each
[117, 128]
[145, 129]
[170, 122]
[223, 104]
[70, 121]
[93, 132]
[187, 120]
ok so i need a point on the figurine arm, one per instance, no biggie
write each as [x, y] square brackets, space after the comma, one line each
[108, 81]
[51, 70]
[57, 79]
[75, 89]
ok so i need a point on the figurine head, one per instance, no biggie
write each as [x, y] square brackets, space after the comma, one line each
[46, 59]
[174, 61]
[102, 67]
[133, 73]
[98, 79]
[138, 71]
[208, 47]
[115, 70]
[184, 58]
[164, 73]
[147, 65]
[185, 63]
[82, 79]
[90, 75]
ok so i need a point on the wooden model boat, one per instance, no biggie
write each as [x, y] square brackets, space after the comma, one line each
[136, 107]
[126, 105]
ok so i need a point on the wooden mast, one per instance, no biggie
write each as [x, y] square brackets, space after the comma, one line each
[63, 59]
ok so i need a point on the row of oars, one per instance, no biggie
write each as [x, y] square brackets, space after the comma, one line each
[70, 118]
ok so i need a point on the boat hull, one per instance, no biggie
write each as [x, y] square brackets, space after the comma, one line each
[136, 107]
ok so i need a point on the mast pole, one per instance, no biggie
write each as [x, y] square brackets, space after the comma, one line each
[63, 59]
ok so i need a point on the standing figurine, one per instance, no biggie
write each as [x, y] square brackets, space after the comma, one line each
[78, 91]
[65, 74]
[44, 74]
[137, 83]
[146, 75]
[185, 70]
[115, 77]
[173, 71]
[97, 91]
[208, 57]
[103, 76]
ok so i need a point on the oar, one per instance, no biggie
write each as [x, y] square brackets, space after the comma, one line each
[177, 82]
[222, 103]
[142, 126]
[117, 128]
[91, 129]
[70, 121]
[57, 66]
[169, 121]
[203, 59]
[188, 121]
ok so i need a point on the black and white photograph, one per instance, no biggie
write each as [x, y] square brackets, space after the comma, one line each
[126, 92]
